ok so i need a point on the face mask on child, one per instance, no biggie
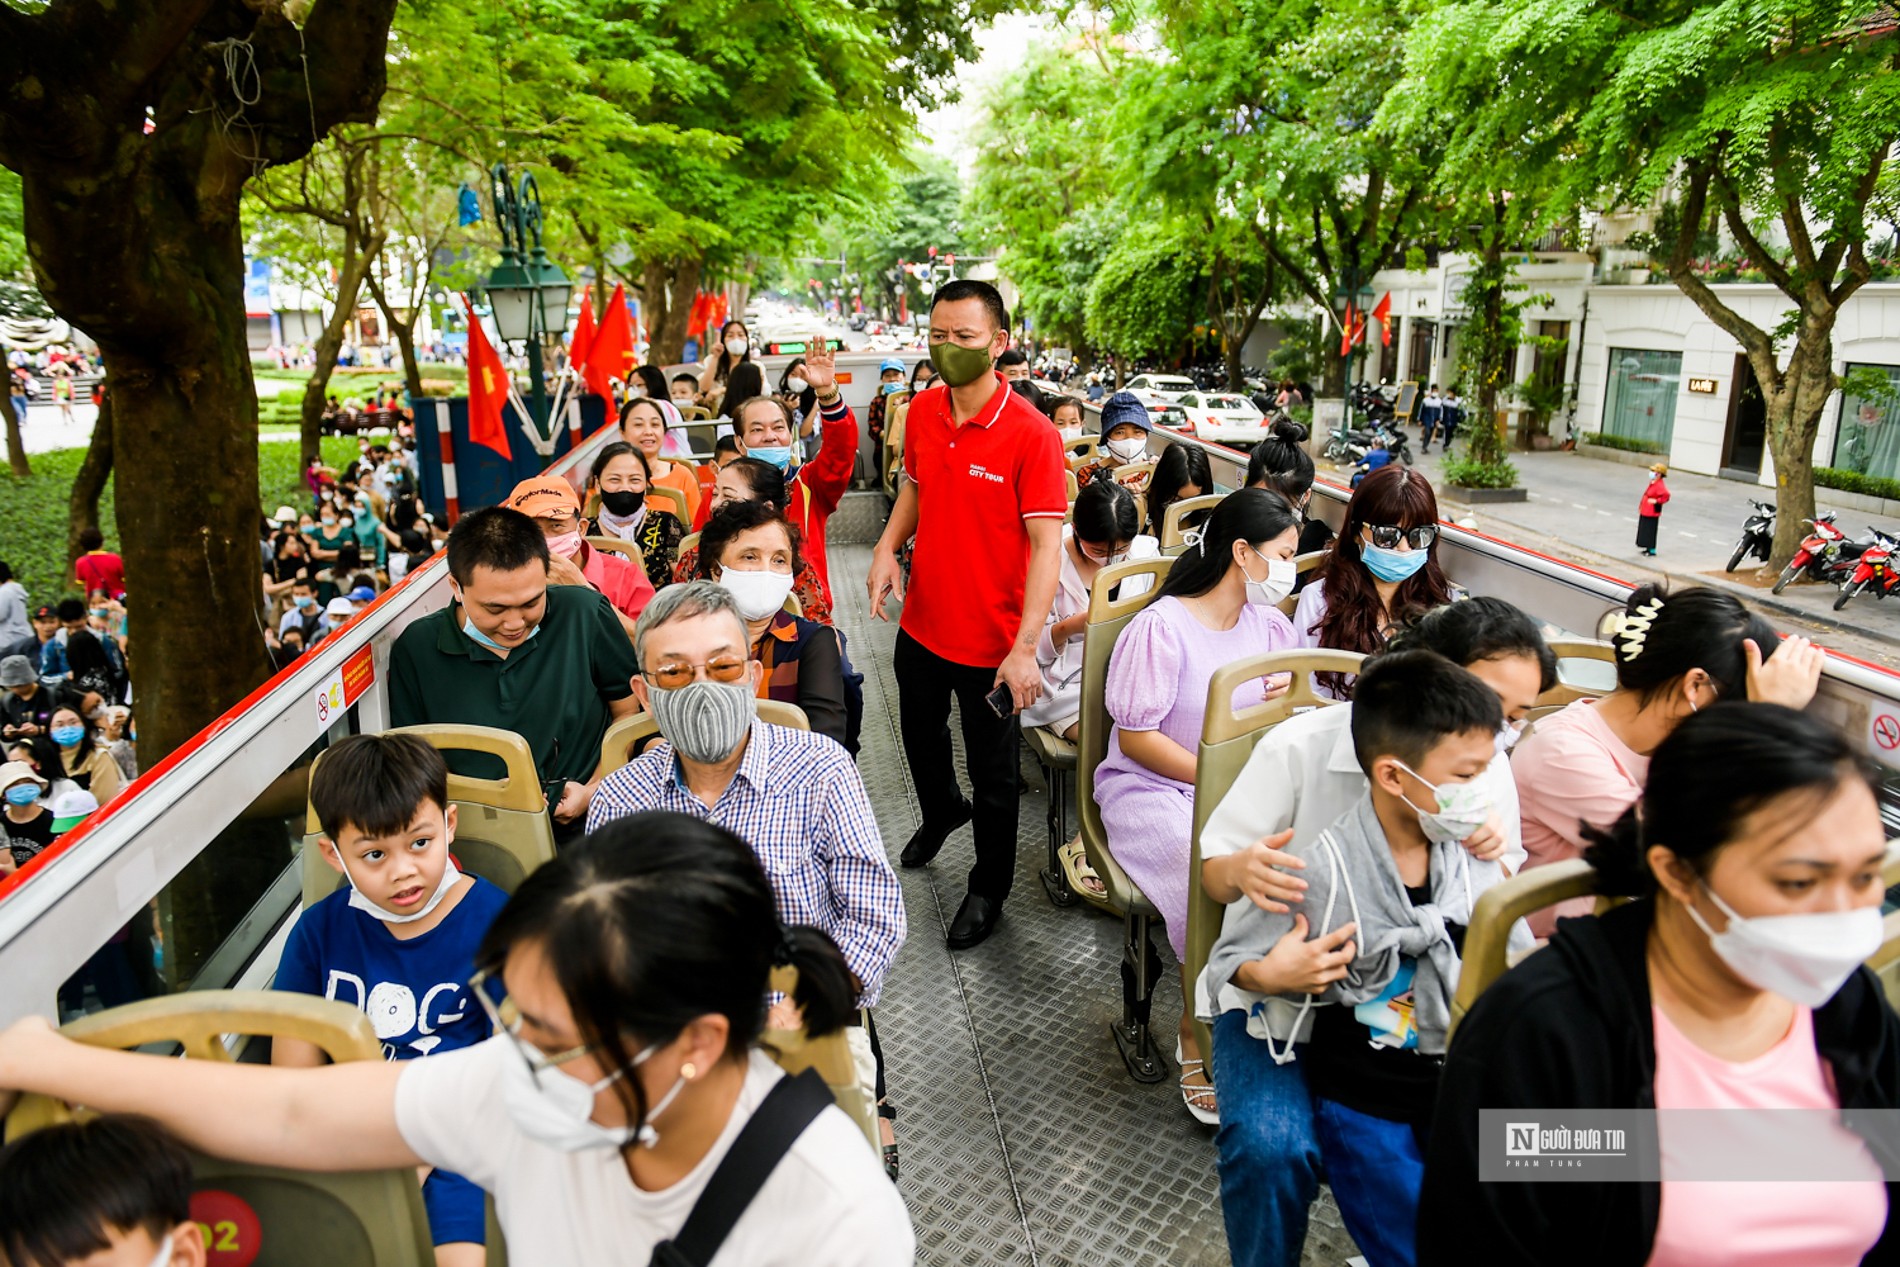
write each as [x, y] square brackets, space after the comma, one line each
[22, 794]
[449, 876]
[1462, 809]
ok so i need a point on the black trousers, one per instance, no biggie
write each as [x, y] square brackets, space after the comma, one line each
[925, 684]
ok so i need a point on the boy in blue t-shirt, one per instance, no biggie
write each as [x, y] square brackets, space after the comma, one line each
[399, 942]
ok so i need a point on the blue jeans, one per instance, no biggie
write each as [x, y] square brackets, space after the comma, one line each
[1375, 1167]
[1269, 1157]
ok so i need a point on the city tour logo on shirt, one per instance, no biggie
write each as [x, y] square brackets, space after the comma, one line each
[980, 472]
[398, 1019]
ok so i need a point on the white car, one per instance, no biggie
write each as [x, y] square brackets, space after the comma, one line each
[1225, 419]
[1159, 389]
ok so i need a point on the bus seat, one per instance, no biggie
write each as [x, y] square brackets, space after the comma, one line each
[1886, 961]
[794, 1051]
[618, 744]
[689, 542]
[1304, 565]
[502, 830]
[625, 549]
[893, 447]
[695, 413]
[1566, 693]
[1135, 474]
[1074, 487]
[1081, 449]
[674, 499]
[374, 1218]
[1140, 964]
[1227, 741]
[1486, 954]
[793, 606]
[1057, 758]
[700, 439]
[1171, 529]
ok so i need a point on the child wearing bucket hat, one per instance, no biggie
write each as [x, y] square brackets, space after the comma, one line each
[28, 824]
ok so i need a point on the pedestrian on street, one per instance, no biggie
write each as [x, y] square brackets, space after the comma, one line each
[16, 394]
[1649, 514]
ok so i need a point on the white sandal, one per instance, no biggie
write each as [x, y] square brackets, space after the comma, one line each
[1210, 1114]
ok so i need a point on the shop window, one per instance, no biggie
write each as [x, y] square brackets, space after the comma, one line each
[1640, 396]
[1868, 439]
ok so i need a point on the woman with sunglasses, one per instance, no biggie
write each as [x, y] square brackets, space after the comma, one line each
[1382, 572]
[633, 971]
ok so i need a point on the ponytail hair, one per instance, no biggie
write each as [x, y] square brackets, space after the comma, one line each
[1105, 511]
[1714, 770]
[656, 920]
[1661, 635]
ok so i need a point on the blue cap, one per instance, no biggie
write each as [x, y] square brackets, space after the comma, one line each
[891, 363]
[362, 594]
[1124, 407]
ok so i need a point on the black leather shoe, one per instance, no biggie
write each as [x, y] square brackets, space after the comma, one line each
[928, 839]
[975, 921]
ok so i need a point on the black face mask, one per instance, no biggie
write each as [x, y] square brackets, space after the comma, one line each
[624, 503]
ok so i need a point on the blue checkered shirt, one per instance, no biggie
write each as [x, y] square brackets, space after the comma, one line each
[798, 801]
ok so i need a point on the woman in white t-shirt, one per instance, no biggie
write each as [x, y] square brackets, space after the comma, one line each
[634, 969]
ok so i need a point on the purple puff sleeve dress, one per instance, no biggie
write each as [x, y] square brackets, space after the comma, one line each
[1157, 680]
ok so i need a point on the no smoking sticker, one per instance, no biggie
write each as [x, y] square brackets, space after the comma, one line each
[1883, 736]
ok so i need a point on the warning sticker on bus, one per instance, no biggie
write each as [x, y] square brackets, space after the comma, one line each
[1883, 735]
[345, 687]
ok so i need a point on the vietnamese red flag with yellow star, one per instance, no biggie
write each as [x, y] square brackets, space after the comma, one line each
[612, 354]
[582, 343]
[487, 389]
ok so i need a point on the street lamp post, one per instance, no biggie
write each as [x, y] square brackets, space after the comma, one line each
[527, 290]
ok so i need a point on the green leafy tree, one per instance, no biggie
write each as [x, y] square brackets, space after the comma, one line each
[1773, 118]
[1043, 189]
[12, 228]
[1146, 296]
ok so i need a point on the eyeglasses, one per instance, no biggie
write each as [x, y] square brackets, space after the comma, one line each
[506, 1018]
[1388, 536]
[677, 673]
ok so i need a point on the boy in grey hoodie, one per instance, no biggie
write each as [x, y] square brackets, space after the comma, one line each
[1391, 888]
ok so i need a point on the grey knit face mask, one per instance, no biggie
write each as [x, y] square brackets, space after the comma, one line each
[704, 721]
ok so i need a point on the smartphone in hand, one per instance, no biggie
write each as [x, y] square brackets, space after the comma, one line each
[1002, 701]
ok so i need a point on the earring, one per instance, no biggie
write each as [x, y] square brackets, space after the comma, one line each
[689, 1071]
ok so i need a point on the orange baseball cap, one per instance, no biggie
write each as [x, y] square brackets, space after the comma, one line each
[544, 495]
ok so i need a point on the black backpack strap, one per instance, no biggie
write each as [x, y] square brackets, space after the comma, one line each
[788, 1109]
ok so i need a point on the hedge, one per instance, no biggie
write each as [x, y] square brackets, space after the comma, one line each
[1466, 473]
[1628, 444]
[1856, 482]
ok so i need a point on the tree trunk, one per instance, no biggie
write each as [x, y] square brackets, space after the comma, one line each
[349, 283]
[669, 287]
[82, 507]
[1794, 420]
[404, 332]
[16, 447]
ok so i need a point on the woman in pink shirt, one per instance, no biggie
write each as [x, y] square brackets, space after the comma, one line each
[1734, 981]
[1675, 653]
[553, 504]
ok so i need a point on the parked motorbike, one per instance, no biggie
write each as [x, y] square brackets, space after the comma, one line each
[1370, 403]
[1873, 571]
[1821, 555]
[1350, 448]
[1758, 535]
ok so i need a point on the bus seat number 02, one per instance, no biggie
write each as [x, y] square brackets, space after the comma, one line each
[232, 1232]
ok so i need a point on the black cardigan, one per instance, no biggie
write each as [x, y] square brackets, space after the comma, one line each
[1571, 1028]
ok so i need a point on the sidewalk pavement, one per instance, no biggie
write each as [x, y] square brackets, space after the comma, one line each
[1583, 509]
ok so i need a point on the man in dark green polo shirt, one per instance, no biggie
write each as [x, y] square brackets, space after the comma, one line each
[549, 662]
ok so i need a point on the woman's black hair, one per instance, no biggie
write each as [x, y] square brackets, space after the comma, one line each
[1660, 635]
[733, 518]
[1178, 464]
[726, 363]
[655, 920]
[82, 753]
[6, 570]
[1477, 629]
[1715, 769]
[618, 449]
[1105, 512]
[1280, 462]
[746, 381]
[807, 399]
[1058, 399]
[653, 380]
[1252, 515]
[766, 481]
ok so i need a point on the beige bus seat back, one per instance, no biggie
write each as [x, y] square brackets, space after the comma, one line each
[794, 1051]
[1304, 564]
[629, 736]
[674, 499]
[1171, 529]
[1567, 692]
[628, 550]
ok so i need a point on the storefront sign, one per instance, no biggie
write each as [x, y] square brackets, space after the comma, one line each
[1702, 386]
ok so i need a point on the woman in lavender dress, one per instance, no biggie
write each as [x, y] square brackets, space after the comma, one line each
[1217, 605]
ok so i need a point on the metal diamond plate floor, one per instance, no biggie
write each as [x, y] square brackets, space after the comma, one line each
[1024, 1140]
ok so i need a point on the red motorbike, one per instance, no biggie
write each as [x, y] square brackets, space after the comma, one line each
[1820, 555]
[1874, 572]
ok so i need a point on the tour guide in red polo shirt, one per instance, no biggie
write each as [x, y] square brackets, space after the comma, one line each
[985, 498]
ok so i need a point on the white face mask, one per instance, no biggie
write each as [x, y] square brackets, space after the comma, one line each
[556, 1109]
[1803, 958]
[1281, 575]
[795, 386]
[358, 902]
[1129, 448]
[1071, 433]
[1462, 809]
[164, 1256]
[1508, 735]
[738, 346]
[756, 594]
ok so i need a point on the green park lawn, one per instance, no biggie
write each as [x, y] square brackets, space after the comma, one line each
[33, 510]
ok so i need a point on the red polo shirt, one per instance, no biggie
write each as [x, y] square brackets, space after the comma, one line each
[976, 484]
